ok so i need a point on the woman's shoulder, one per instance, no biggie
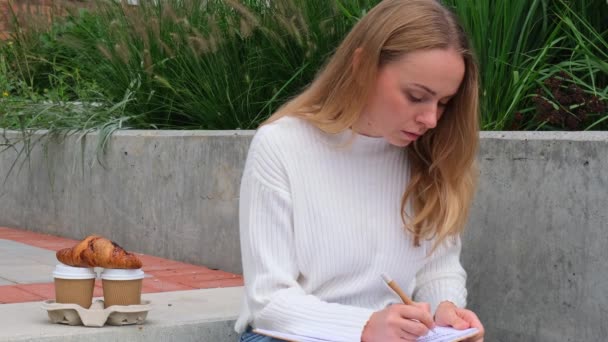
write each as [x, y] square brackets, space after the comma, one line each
[276, 145]
[284, 130]
[286, 125]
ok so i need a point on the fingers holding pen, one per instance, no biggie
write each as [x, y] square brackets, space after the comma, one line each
[402, 321]
[398, 322]
[422, 305]
[417, 315]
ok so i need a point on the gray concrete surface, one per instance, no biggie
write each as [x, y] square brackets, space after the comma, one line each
[25, 264]
[6, 282]
[537, 240]
[197, 315]
[535, 245]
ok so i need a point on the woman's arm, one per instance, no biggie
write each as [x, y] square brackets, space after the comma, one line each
[274, 297]
[442, 278]
[442, 283]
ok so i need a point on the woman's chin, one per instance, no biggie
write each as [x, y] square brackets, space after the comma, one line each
[399, 142]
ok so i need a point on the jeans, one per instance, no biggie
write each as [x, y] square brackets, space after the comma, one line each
[250, 336]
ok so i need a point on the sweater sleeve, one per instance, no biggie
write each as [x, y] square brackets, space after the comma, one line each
[274, 297]
[443, 277]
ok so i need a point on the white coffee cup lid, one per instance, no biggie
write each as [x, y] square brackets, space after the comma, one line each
[68, 272]
[122, 274]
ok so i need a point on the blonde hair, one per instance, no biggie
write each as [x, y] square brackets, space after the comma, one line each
[442, 161]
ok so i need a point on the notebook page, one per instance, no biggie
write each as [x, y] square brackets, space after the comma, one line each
[443, 334]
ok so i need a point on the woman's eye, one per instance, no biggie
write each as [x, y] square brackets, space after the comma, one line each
[414, 98]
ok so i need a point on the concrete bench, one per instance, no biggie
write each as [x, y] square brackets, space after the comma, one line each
[196, 316]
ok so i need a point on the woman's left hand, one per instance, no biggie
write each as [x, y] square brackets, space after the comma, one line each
[449, 315]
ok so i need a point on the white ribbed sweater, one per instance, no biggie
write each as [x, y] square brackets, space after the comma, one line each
[320, 222]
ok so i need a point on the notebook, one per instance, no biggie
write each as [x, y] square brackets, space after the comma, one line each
[441, 334]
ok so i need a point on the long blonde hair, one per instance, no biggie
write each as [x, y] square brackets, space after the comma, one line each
[442, 161]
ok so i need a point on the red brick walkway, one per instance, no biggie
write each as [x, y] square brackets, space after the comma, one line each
[163, 275]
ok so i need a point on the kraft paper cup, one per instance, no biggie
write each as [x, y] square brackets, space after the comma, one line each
[74, 285]
[121, 286]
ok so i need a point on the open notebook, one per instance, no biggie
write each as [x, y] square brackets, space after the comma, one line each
[441, 334]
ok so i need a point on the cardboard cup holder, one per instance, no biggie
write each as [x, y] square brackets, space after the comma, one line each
[74, 291]
[96, 315]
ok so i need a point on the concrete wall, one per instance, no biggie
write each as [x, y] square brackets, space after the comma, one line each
[537, 242]
[535, 248]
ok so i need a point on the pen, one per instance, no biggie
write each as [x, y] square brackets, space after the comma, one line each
[393, 285]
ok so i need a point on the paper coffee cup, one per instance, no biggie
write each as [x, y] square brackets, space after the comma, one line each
[121, 286]
[74, 285]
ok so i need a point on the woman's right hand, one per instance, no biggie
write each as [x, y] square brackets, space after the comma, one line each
[398, 322]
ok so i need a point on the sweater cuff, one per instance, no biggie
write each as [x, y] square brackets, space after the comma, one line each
[359, 319]
[305, 316]
[439, 292]
[346, 327]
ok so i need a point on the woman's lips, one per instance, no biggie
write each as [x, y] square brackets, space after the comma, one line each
[410, 135]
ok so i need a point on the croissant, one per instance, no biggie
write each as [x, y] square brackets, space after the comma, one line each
[96, 251]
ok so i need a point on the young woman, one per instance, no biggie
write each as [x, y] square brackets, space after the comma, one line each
[370, 170]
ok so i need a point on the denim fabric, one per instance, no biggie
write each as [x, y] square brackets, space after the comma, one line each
[249, 336]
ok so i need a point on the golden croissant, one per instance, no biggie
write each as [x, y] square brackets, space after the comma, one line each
[96, 251]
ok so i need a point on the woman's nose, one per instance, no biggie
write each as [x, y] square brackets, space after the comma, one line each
[429, 116]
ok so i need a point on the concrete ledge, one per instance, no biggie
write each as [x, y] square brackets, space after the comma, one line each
[547, 136]
[198, 315]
